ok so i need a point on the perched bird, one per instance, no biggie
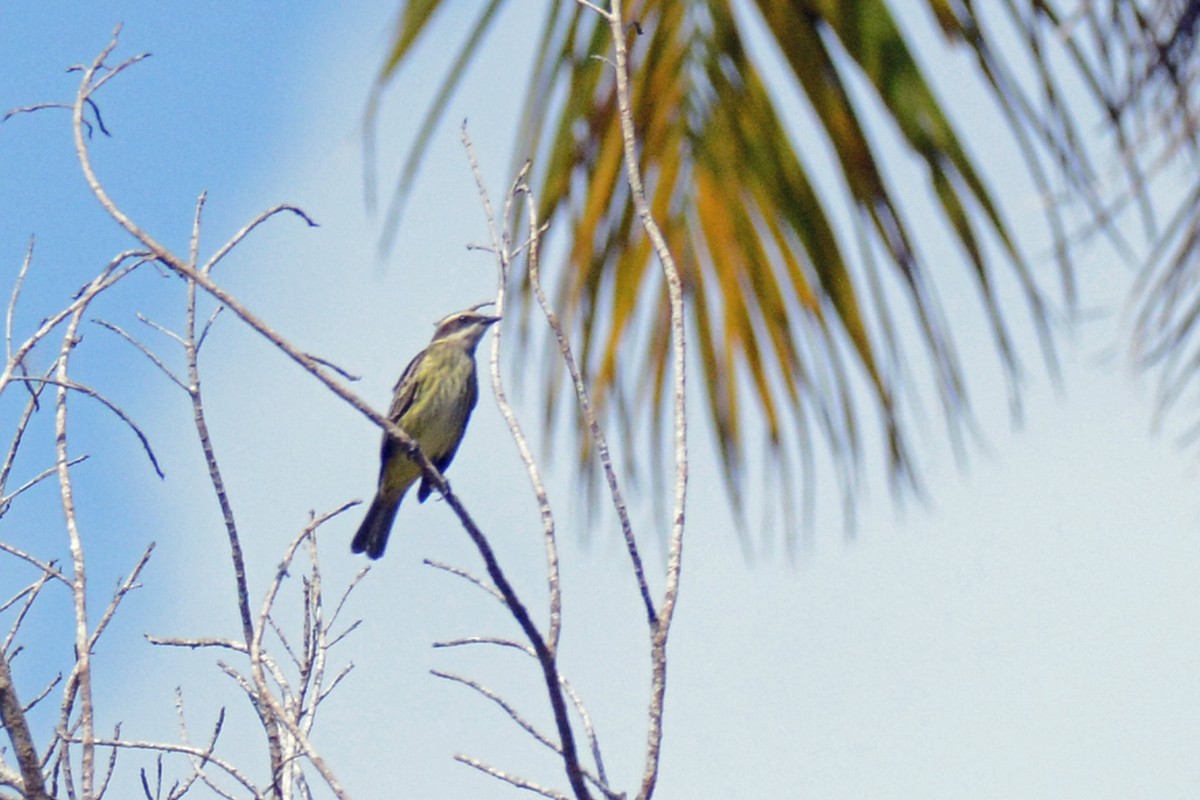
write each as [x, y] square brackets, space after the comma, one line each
[432, 402]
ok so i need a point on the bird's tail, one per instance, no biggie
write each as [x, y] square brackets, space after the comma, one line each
[372, 535]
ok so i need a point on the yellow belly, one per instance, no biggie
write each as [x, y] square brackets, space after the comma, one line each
[436, 419]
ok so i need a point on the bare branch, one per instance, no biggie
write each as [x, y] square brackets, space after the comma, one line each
[601, 780]
[544, 646]
[198, 764]
[316, 645]
[109, 276]
[191, 350]
[545, 658]
[193, 644]
[590, 731]
[278, 712]
[12, 112]
[337, 611]
[16, 293]
[660, 630]
[44, 693]
[513, 780]
[349, 630]
[208, 325]
[203, 754]
[81, 676]
[114, 71]
[125, 588]
[496, 640]
[306, 746]
[243, 684]
[47, 568]
[146, 351]
[250, 226]
[500, 247]
[202, 279]
[88, 391]
[12, 715]
[583, 397]
[31, 405]
[112, 765]
[462, 573]
[7, 499]
[142, 318]
[29, 594]
[350, 376]
[342, 673]
[504, 705]
[297, 661]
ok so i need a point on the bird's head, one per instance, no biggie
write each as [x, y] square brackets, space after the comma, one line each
[465, 328]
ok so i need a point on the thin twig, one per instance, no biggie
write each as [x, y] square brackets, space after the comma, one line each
[12, 716]
[512, 780]
[44, 693]
[82, 673]
[12, 112]
[190, 750]
[500, 247]
[112, 72]
[345, 373]
[29, 594]
[660, 631]
[198, 764]
[600, 780]
[593, 740]
[337, 611]
[46, 567]
[31, 406]
[250, 226]
[200, 422]
[109, 276]
[16, 293]
[278, 711]
[467, 576]
[337, 679]
[544, 646]
[7, 499]
[112, 765]
[146, 351]
[545, 658]
[589, 414]
[88, 391]
[505, 706]
[193, 644]
[142, 318]
[125, 588]
[496, 640]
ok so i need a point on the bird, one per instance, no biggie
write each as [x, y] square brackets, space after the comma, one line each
[432, 403]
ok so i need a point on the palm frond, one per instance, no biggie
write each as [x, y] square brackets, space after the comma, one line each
[792, 313]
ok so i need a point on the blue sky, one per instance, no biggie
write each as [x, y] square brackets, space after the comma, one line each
[1029, 633]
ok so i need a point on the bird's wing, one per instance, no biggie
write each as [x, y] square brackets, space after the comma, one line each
[403, 396]
[406, 388]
